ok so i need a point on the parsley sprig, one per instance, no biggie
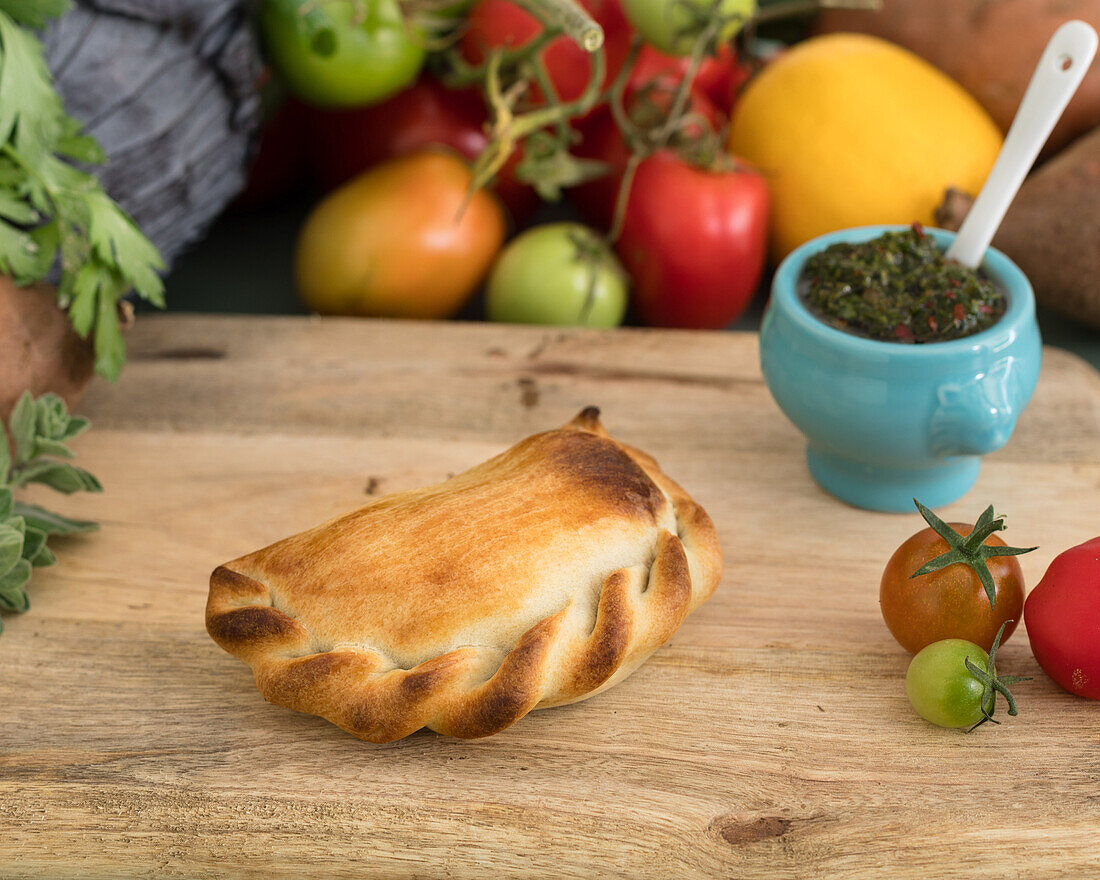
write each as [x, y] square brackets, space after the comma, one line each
[53, 212]
[39, 431]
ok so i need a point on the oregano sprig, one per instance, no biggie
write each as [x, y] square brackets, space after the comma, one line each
[970, 550]
[39, 431]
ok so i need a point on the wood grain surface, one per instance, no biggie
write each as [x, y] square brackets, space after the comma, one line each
[771, 739]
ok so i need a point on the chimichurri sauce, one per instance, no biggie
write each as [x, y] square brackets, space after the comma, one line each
[899, 288]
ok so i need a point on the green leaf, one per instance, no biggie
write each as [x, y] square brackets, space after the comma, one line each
[66, 478]
[16, 208]
[54, 212]
[11, 548]
[22, 425]
[7, 502]
[31, 110]
[76, 426]
[81, 147]
[34, 13]
[52, 447]
[12, 595]
[50, 415]
[18, 253]
[116, 240]
[5, 456]
[52, 523]
[47, 239]
[110, 350]
[33, 541]
[43, 558]
[85, 292]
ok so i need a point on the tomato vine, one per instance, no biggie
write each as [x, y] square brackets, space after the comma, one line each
[526, 110]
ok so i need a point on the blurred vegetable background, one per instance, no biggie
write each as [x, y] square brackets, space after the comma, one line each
[761, 121]
[686, 146]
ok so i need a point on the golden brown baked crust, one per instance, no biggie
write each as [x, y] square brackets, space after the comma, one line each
[539, 577]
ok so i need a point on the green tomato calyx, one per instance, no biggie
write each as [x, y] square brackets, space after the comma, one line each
[971, 550]
[993, 684]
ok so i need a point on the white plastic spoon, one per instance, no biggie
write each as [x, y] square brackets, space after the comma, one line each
[1065, 60]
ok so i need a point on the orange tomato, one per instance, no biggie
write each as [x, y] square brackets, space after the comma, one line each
[950, 603]
[397, 242]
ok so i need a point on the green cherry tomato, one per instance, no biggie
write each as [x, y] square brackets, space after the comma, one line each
[672, 26]
[341, 53]
[558, 273]
[941, 688]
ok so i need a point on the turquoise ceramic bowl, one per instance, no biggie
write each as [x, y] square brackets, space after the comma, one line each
[887, 422]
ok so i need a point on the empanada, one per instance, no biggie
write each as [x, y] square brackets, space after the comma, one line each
[537, 578]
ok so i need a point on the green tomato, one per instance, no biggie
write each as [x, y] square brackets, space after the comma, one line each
[341, 53]
[673, 26]
[558, 273]
[941, 688]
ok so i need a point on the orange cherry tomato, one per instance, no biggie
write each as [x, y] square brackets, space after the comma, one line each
[950, 603]
[397, 241]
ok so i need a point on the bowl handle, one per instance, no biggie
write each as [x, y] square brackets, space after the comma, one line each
[977, 417]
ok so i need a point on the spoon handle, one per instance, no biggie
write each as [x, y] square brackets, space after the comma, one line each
[1061, 69]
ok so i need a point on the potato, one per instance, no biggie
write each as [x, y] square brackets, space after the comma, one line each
[1052, 229]
[39, 350]
[990, 47]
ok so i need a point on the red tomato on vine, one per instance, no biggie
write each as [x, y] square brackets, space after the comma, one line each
[719, 78]
[601, 139]
[344, 143]
[501, 23]
[693, 241]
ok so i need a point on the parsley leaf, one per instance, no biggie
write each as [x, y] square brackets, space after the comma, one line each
[34, 13]
[55, 214]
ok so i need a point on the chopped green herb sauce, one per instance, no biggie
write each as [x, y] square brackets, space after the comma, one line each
[899, 288]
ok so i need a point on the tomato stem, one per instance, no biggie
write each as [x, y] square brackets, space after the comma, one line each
[709, 23]
[568, 17]
[992, 684]
[972, 550]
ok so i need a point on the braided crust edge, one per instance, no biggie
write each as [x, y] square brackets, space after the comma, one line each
[475, 691]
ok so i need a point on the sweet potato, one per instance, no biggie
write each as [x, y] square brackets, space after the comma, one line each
[39, 350]
[1052, 229]
[990, 47]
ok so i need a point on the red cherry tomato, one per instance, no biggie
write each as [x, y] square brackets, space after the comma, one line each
[719, 77]
[344, 143]
[602, 140]
[1062, 615]
[493, 23]
[693, 241]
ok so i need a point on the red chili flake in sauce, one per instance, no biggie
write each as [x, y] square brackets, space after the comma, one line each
[898, 287]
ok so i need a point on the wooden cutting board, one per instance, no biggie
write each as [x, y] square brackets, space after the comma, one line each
[772, 738]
